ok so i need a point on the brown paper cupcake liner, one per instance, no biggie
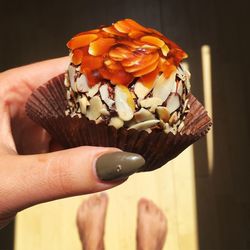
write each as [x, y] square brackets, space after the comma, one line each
[46, 106]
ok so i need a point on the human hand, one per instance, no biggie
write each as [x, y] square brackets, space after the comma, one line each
[29, 172]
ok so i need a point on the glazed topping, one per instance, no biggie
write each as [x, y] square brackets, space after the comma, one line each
[122, 52]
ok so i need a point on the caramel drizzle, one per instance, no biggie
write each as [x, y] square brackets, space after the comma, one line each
[124, 51]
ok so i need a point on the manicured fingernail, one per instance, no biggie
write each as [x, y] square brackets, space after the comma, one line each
[118, 165]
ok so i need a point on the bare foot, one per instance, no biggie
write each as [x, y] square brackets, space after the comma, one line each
[91, 222]
[151, 226]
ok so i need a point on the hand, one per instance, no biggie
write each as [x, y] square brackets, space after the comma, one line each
[29, 174]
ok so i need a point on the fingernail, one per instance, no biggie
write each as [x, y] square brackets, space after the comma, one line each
[118, 165]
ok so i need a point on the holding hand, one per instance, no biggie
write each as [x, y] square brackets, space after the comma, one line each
[30, 172]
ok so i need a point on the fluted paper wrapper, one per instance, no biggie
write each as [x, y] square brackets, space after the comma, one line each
[47, 104]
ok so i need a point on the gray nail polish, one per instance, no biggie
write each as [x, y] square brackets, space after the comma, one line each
[118, 165]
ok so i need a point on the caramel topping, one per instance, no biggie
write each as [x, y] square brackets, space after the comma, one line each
[124, 51]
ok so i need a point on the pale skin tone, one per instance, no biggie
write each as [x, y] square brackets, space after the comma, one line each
[151, 224]
[30, 173]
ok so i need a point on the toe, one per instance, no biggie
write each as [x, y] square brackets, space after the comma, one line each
[152, 207]
[104, 198]
[156, 210]
[142, 201]
[142, 204]
[84, 203]
[82, 207]
[103, 202]
[94, 200]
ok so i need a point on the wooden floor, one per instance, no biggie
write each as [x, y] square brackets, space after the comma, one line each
[37, 30]
[52, 226]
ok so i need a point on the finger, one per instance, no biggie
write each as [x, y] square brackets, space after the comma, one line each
[37, 73]
[7, 144]
[39, 178]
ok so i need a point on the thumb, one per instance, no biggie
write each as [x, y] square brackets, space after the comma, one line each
[39, 178]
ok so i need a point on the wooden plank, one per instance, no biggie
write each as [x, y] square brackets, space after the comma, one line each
[184, 175]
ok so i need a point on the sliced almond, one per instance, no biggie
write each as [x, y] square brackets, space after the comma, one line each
[149, 69]
[153, 40]
[82, 83]
[92, 91]
[180, 73]
[133, 95]
[71, 74]
[124, 103]
[95, 107]
[104, 110]
[81, 41]
[66, 81]
[144, 125]
[185, 105]
[188, 74]
[133, 45]
[68, 95]
[162, 124]
[183, 68]
[72, 114]
[101, 46]
[148, 130]
[112, 30]
[78, 69]
[184, 75]
[135, 34]
[116, 122]
[144, 62]
[173, 119]
[133, 60]
[151, 102]
[99, 120]
[179, 89]
[122, 26]
[181, 126]
[165, 50]
[134, 25]
[77, 56]
[113, 65]
[143, 115]
[187, 82]
[119, 53]
[163, 113]
[173, 102]
[149, 47]
[167, 128]
[67, 112]
[83, 102]
[141, 90]
[164, 86]
[173, 130]
[105, 95]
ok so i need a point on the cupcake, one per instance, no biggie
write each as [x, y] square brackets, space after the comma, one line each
[125, 87]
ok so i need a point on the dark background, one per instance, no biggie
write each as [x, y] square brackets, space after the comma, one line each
[36, 30]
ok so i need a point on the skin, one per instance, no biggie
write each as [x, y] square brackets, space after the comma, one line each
[30, 172]
[90, 219]
[151, 224]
